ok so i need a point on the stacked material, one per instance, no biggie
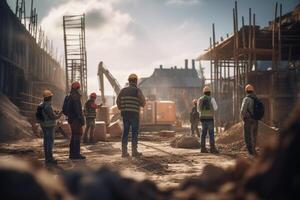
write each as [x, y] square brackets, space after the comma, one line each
[13, 125]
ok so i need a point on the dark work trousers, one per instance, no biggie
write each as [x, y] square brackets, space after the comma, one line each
[134, 124]
[207, 126]
[250, 134]
[194, 127]
[48, 142]
[89, 130]
[76, 129]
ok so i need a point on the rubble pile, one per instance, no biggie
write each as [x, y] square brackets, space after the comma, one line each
[273, 175]
[13, 124]
[186, 142]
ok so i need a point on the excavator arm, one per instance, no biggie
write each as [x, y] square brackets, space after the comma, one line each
[102, 70]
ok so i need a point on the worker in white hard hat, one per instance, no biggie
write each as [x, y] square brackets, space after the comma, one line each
[206, 107]
[129, 101]
[47, 117]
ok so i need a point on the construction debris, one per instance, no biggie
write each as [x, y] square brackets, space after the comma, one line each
[13, 125]
[186, 142]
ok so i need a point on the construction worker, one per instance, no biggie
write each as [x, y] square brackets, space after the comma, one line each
[76, 121]
[48, 124]
[206, 107]
[129, 102]
[90, 113]
[249, 121]
[194, 119]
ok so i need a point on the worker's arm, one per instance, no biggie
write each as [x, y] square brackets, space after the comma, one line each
[199, 105]
[119, 99]
[142, 98]
[244, 113]
[214, 104]
[78, 109]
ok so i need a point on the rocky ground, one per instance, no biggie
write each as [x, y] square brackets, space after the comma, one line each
[161, 163]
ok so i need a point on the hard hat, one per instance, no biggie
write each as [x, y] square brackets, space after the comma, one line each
[195, 101]
[132, 77]
[76, 85]
[206, 89]
[47, 93]
[93, 95]
[249, 88]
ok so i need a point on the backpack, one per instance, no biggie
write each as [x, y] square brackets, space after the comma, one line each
[206, 104]
[66, 105]
[258, 109]
[39, 113]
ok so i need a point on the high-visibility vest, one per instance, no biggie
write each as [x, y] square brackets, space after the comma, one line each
[206, 108]
[130, 104]
[90, 109]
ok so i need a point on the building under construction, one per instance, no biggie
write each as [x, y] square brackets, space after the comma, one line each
[27, 62]
[266, 57]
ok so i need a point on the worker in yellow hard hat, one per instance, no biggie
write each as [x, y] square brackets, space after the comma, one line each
[194, 119]
[47, 117]
[252, 110]
[206, 107]
[129, 101]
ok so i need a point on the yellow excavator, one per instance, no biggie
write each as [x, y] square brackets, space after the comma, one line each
[158, 113]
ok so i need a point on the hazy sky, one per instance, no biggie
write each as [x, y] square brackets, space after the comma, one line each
[138, 35]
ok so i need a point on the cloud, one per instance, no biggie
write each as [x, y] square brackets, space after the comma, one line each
[182, 2]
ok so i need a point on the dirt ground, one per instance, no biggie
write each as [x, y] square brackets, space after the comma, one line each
[160, 162]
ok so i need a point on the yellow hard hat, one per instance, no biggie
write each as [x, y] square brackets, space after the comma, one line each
[206, 89]
[249, 88]
[47, 93]
[132, 77]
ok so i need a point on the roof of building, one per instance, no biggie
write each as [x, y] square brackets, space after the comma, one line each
[172, 77]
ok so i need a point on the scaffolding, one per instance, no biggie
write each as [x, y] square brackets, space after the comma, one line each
[75, 51]
[234, 62]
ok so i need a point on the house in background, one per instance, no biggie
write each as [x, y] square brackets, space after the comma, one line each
[180, 85]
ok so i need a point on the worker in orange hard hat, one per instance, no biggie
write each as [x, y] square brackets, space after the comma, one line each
[90, 112]
[194, 119]
[47, 117]
[206, 107]
[72, 108]
[252, 110]
[129, 101]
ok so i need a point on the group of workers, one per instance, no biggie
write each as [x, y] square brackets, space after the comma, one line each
[203, 111]
[129, 101]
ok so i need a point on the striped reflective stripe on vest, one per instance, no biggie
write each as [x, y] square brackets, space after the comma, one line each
[131, 104]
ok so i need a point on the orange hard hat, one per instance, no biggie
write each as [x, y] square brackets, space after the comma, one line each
[195, 101]
[132, 77]
[76, 85]
[47, 93]
[93, 95]
[206, 89]
[249, 88]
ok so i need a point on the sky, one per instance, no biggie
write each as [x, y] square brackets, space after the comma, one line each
[136, 36]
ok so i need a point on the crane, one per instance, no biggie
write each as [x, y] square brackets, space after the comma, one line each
[102, 70]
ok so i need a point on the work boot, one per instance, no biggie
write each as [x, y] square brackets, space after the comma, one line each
[77, 157]
[125, 155]
[51, 162]
[214, 150]
[204, 150]
[136, 154]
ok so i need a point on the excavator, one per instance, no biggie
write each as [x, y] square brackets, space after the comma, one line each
[155, 113]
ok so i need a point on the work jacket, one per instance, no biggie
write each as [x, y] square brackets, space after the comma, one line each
[49, 115]
[90, 109]
[206, 107]
[130, 100]
[75, 108]
[194, 115]
[247, 107]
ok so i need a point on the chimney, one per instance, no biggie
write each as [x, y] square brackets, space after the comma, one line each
[175, 67]
[160, 66]
[193, 63]
[186, 61]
